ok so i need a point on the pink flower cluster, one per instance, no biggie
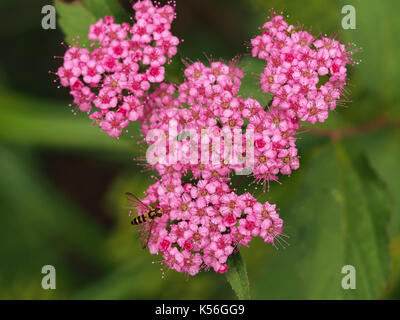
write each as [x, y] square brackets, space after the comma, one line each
[203, 223]
[296, 62]
[208, 102]
[125, 63]
[215, 133]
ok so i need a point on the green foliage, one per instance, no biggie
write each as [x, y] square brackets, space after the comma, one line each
[320, 15]
[38, 227]
[342, 221]
[76, 17]
[28, 121]
[377, 36]
[250, 88]
[383, 149]
[101, 8]
[237, 276]
[341, 207]
[393, 288]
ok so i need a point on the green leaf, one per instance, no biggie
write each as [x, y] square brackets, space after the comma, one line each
[338, 215]
[321, 15]
[237, 276]
[367, 222]
[376, 34]
[393, 288]
[76, 17]
[28, 121]
[102, 8]
[40, 227]
[250, 87]
[383, 150]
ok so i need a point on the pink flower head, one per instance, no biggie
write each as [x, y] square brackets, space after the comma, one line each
[295, 61]
[111, 68]
[202, 131]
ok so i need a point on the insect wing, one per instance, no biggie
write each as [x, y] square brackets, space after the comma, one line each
[136, 203]
[145, 232]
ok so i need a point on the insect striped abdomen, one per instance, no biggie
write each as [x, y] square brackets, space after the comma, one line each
[140, 219]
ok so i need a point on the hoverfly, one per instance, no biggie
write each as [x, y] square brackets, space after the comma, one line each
[145, 221]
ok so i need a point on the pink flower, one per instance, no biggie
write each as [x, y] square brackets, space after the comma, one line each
[164, 245]
[229, 220]
[153, 56]
[113, 123]
[106, 99]
[155, 73]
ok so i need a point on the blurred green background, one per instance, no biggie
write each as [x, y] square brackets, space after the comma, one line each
[62, 180]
